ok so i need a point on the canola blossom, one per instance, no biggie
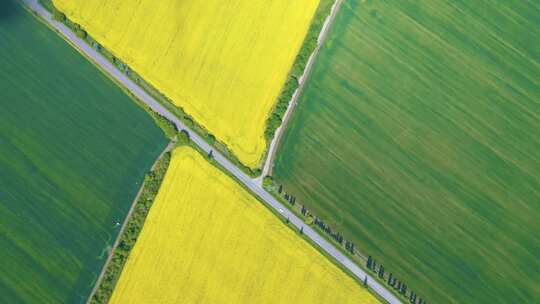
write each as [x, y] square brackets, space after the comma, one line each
[207, 240]
[223, 62]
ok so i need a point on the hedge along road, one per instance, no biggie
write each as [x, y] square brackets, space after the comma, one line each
[251, 184]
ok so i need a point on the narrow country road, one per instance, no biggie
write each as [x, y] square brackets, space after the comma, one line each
[106, 66]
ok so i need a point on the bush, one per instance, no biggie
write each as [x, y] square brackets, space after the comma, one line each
[59, 16]
[211, 139]
[166, 125]
[276, 118]
[188, 121]
[268, 182]
[183, 138]
[80, 32]
[274, 121]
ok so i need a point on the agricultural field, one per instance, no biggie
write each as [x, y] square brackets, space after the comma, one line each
[418, 138]
[224, 64]
[207, 240]
[73, 152]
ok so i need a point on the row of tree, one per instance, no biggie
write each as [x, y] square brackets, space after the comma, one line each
[349, 246]
[289, 198]
[371, 264]
[393, 282]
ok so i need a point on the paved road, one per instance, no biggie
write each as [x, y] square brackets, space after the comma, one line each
[102, 62]
[272, 150]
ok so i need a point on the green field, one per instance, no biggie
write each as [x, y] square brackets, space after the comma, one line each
[418, 137]
[73, 152]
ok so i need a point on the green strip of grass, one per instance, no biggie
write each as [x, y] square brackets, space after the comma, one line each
[152, 183]
[291, 84]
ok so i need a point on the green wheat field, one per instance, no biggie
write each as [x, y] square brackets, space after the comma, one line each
[73, 153]
[418, 137]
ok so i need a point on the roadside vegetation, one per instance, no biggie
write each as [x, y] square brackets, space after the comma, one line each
[243, 241]
[229, 81]
[291, 84]
[128, 238]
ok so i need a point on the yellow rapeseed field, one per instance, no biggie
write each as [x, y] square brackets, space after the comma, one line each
[223, 62]
[207, 240]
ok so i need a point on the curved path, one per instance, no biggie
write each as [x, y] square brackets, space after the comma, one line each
[254, 187]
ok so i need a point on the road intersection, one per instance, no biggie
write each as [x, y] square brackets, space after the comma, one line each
[252, 184]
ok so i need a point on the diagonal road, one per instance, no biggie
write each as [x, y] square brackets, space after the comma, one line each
[100, 61]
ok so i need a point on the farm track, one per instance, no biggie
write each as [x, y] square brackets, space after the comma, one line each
[251, 184]
[169, 148]
[272, 150]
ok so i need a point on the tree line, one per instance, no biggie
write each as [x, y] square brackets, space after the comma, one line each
[393, 282]
[338, 237]
[379, 270]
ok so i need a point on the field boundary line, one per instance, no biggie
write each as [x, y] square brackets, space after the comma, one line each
[168, 148]
[274, 144]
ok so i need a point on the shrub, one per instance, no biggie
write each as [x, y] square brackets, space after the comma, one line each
[59, 16]
[80, 32]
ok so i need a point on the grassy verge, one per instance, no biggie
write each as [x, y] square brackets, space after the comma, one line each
[152, 182]
[291, 84]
